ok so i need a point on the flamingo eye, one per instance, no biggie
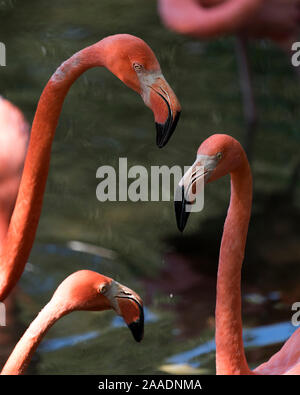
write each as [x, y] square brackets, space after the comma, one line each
[103, 289]
[219, 155]
[137, 67]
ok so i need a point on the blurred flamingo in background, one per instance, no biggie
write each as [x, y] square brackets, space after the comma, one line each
[218, 156]
[278, 20]
[134, 63]
[82, 290]
[14, 134]
[13, 145]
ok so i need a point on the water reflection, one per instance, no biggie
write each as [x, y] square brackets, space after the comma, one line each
[67, 341]
[254, 337]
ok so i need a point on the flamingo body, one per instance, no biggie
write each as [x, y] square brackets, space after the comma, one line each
[274, 19]
[278, 20]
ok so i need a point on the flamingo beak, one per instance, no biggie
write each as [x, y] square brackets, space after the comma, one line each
[184, 196]
[191, 184]
[129, 305]
[181, 212]
[137, 326]
[166, 109]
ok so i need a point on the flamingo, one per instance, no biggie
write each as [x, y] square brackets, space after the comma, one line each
[134, 63]
[13, 145]
[277, 20]
[82, 290]
[218, 156]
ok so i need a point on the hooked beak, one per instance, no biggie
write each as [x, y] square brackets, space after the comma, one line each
[129, 305]
[137, 326]
[190, 185]
[166, 109]
[181, 212]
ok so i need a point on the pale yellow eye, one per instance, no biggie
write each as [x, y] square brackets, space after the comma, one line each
[137, 66]
[219, 155]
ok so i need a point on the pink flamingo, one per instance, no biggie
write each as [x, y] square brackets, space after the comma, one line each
[82, 290]
[218, 156]
[13, 145]
[134, 63]
[14, 134]
[274, 19]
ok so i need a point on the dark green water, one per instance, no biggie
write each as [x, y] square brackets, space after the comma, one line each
[103, 120]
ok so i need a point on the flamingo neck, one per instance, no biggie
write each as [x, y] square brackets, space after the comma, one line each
[4, 222]
[8, 193]
[230, 355]
[24, 221]
[21, 356]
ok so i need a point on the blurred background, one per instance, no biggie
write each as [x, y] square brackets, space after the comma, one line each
[138, 243]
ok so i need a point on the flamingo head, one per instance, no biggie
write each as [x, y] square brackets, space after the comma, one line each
[88, 290]
[134, 63]
[217, 156]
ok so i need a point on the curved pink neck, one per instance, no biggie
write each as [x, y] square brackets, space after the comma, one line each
[230, 355]
[190, 17]
[21, 356]
[25, 218]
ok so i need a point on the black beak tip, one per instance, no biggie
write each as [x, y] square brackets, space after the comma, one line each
[137, 328]
[164, 131]
[180, 211]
